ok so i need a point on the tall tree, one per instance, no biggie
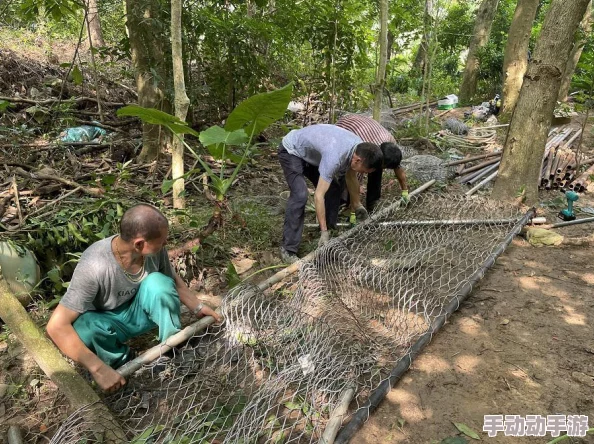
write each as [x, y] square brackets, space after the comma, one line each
[418, 66]
[148, 44]
[480, 37]
[515, 59]
[531, 120]
[383, 60]
[576, 53]
[94, 24]
[181, 103]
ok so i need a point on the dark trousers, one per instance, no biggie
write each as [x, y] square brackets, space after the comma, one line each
[296, 170]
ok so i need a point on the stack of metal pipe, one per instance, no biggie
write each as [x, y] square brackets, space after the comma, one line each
[580, 184]
[560, 164]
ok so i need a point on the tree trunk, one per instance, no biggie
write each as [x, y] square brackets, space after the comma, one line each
[389, 50]
[515, 59]
[46, 355]
[148, 47]
[181, 102]
[418, 67]
[94, 24]
[480, 37]
[576, 53]
[383, 58]
[531, 120]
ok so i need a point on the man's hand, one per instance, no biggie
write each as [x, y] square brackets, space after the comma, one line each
[207, 311]
[405, 197]
[361, 213]
[324, 238]
[108, 379]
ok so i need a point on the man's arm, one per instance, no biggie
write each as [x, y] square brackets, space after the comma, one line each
[189, 299]
[319, 196]
[61, 331]
[401, 176]
[352, 184]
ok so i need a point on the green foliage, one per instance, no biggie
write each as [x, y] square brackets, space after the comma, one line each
[254, 114]
[583, 79]
[258, 112]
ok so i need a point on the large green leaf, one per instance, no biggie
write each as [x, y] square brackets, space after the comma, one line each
[255, 114]
[77, 76]
[157, 117]
[216, 139]
[216, 134]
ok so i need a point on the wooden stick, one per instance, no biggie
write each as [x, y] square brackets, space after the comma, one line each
[15, 190]
[95, 192]
[336, 417]
[51, 101]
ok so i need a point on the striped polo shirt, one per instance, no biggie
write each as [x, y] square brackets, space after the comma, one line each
[366, 128]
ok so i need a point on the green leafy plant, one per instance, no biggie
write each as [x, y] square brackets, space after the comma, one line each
[246, 121]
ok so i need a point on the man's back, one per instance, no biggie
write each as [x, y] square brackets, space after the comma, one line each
[323, 145]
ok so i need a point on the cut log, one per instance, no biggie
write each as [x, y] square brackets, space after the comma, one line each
[79, 394]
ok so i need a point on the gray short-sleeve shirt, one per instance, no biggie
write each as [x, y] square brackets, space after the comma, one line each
[328, 147]
[99, 282]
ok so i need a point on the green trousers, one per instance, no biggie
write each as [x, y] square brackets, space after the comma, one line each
[156, 304]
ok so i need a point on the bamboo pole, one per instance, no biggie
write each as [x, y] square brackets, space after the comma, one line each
[338, 414]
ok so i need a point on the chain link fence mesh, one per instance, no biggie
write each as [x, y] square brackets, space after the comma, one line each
[275, 370]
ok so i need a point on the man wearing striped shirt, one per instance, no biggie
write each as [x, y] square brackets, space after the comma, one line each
[371, 131]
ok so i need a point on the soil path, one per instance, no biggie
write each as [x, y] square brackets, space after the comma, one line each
[522, 344]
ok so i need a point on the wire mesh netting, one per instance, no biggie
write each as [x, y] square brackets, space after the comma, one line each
[277, 368]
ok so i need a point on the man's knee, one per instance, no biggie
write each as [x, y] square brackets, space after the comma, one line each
[299, 195]
[158, 290]
[157, 281]
[87, 327]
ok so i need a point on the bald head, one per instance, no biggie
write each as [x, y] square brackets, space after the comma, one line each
[142, 221]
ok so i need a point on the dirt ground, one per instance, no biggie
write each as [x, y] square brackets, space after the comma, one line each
[522, 344]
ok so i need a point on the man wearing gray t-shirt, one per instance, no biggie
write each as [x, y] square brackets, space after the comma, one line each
[325, 154]
[122, 287]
